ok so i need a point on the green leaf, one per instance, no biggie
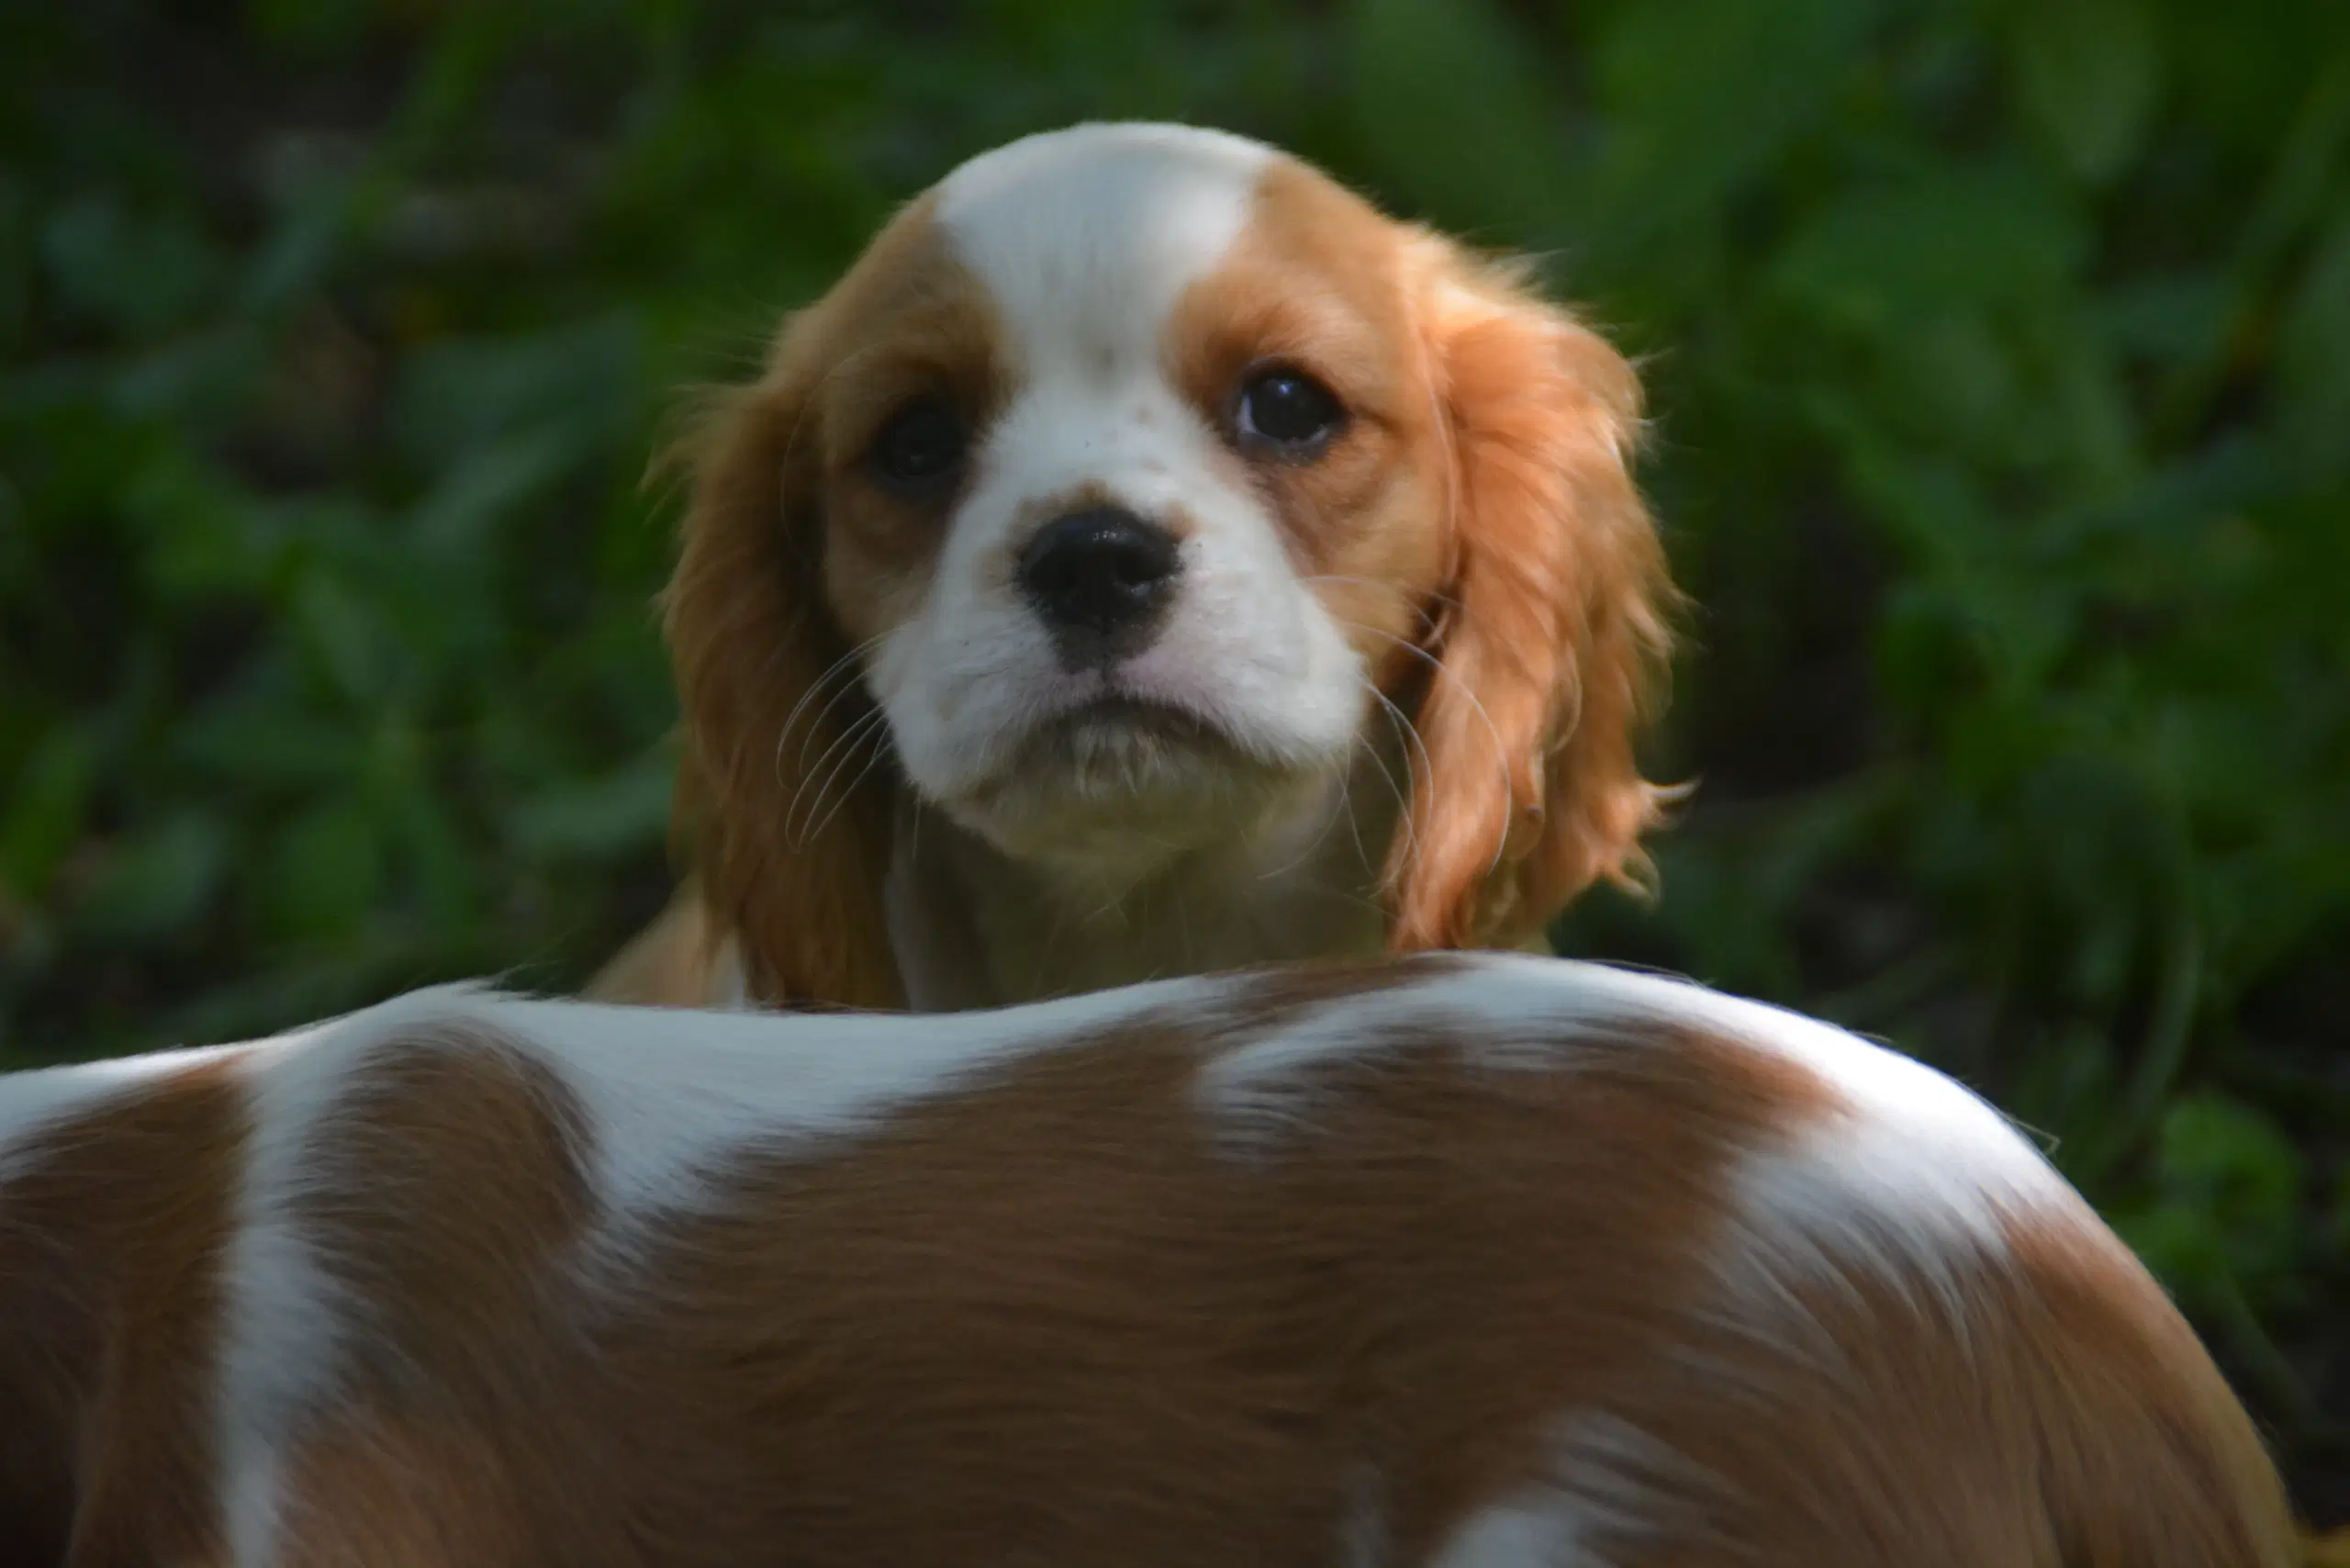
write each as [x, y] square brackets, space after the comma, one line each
[16, 263]
[2227, 1204]
[1704, 95]
[2172, 317]
[2090, 74]
[486, 486]
[42, 818]
[459, 394]
[1961, 237]
[2313, 356]
[327, 871]
[341, 632]
[309, 27]
[158, 884]
[445, 876]
[624, 810]
[137, 272]
[1444, 100]
[203, 534]
[259, 737]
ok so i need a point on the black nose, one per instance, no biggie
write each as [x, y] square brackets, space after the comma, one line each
[1101, 580]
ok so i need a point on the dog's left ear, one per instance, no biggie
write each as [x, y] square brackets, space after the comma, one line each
[1554, 629]
[792, 829]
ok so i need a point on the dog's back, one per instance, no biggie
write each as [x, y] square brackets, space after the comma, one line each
[1465, 1260]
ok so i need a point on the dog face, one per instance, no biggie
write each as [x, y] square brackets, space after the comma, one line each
[1133, 481]
[1126, 467]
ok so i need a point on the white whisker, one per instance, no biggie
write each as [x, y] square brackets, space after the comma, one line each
[1501, 752]
[850, 739]
[872, 760]
[833, 671]
[1411, 738]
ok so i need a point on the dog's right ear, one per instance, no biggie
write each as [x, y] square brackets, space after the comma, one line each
[790, 826]
[1558, 630]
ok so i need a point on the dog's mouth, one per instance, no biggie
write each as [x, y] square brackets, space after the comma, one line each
[1122, 713]
[1121, 774]
[1122, 750]
[1119, 733]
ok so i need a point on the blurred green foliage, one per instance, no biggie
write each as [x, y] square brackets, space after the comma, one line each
[2001, 368]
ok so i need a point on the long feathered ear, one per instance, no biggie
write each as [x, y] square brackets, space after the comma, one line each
[1554, 629]
[787, 787]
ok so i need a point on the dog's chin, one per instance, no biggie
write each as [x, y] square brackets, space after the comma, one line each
[1125, 782]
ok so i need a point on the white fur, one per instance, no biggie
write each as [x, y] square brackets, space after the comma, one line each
[1617, 1485]
[1077, 230]
[1365, 1536]
[1506, 1009]
[253, 1499]
[1605, 1487]
[283, 1318]
[673, 1095]
[1085, 240]
[1536, 1531]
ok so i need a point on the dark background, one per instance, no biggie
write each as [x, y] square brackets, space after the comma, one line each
[2001, 369]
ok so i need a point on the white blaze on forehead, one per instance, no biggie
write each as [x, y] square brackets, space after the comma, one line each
[1085, 238]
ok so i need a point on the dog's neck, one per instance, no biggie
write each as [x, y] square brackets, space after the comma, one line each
[974, 927]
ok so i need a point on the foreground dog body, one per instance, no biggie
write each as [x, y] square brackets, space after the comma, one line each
[1472, 1262]
[1151, 559]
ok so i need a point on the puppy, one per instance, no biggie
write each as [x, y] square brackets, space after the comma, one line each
[1467, 1260]
[1149, 559]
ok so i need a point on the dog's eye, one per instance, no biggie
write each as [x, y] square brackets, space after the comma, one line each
[1288, 409]
[922, 444]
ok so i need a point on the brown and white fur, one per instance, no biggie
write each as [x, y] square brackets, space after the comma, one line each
[1470, 1261]
[1283, 692]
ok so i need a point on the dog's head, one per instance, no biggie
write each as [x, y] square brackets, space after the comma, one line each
[1105, 505]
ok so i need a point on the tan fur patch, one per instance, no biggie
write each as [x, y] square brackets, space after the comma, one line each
[1554, 629]
[112, 1233]
[444, 1184]
[385, 1490]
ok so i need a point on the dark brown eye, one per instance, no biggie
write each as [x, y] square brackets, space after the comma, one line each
[1288, 410]
[922, 446]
